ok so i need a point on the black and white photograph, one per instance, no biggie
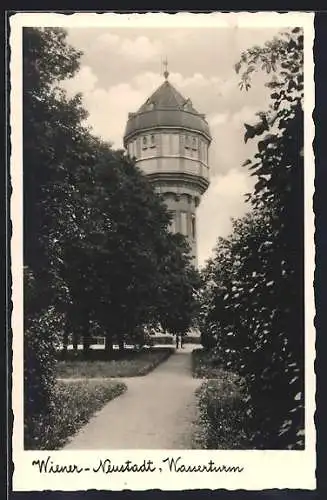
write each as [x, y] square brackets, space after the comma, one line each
[162, 249]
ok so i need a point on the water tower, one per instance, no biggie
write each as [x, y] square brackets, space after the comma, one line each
[170, 140]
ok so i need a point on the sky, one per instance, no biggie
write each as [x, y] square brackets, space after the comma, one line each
[121, 67]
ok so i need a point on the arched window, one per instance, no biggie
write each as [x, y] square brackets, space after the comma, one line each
[145, 142]
[153, 141]
[194, 143]
[187, 142]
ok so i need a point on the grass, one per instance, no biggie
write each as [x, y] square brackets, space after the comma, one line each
[204, 365]
[73, 404]
[221, 400]
[130, 364]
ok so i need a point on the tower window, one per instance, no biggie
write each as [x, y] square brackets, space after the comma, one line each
[187, 142]
[153, 141]
[145, 142]
[194, 144]
[172, 224]
[193, 227]
[184, 223]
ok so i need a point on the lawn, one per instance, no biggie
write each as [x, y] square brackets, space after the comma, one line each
[221, 401]
[204, 365]
[130, 364]
[73, 405]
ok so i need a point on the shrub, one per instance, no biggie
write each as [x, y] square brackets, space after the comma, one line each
[41, 337]
[191, 339]
[222, 417]
[207, 339]
[162, 339]
[130, 363]
[206, 365]
[254, 293]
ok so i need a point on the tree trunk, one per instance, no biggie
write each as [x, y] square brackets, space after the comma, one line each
[65, 337]
[86, 345]
[108, 346]
[75, 339]
[86, 335]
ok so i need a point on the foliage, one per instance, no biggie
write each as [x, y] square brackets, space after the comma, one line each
[253, 297]
[161, 340]
[206, 365]
[51, 136]
[40, 341]
[222, 419]
[72, 405]
[128, 364]
[98, 254]
[178, 301]
[96, 234]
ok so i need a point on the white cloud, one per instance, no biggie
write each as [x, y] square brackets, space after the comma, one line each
[109, 110]
[138, 49]
[217, 119]
[223, 200]
[246, 114]
[84, 81]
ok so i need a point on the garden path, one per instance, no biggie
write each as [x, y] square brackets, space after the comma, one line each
[157, 411]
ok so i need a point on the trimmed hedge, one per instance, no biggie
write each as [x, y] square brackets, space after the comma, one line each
[160, 340]
[129, 363]
[170, 339]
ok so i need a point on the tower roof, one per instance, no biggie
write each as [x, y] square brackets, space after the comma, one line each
[166, 96]
[166, 107]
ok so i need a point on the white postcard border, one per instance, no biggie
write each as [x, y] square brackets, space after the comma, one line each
[261, 469]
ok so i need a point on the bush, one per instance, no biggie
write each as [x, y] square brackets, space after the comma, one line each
[40, 340]
[191, 339]
[72, 405]
[254, 293]
[206, 365]
[130, 363]
[161, 340]
[207, 339]
[222, 417]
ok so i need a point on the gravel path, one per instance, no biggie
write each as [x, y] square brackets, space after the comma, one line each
[156, 412]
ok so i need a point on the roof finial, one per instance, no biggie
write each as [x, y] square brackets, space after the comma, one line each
[166, 72]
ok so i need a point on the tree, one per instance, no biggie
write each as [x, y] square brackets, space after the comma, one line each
[178, 303]
[256, 303]
[50, 122]
[95, 233]
[122, 248]
[51, 129]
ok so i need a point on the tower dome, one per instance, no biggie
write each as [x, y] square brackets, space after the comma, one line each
[167, 108]
[169, 140]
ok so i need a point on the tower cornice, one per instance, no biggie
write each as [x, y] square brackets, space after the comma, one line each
[196, 182]
[162, 128]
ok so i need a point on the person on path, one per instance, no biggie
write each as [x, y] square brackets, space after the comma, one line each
[177, 341]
